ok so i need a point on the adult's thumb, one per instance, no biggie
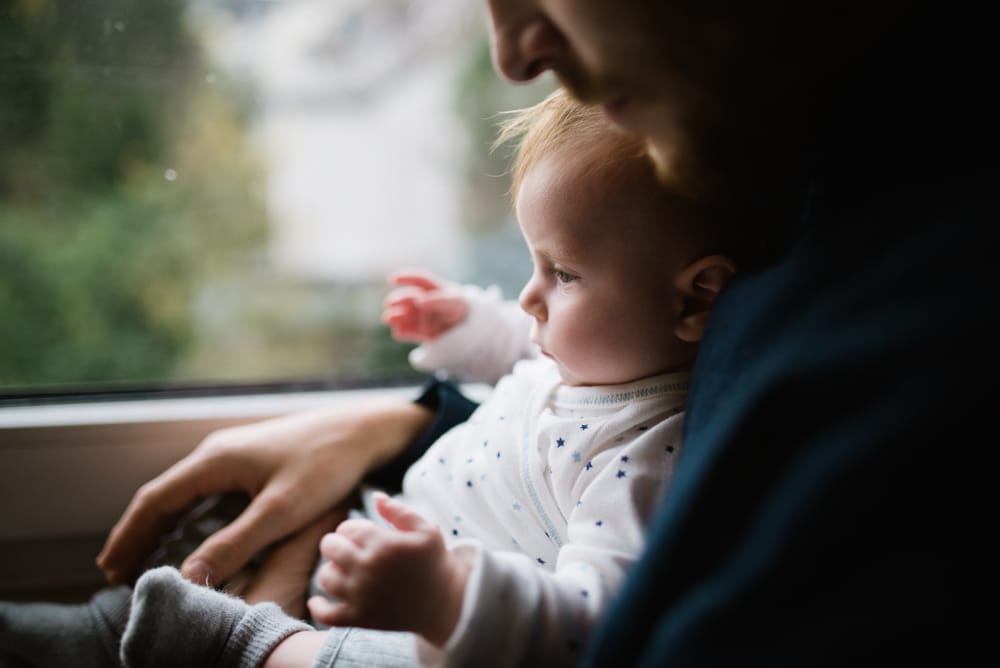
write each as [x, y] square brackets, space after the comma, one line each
[224, 553]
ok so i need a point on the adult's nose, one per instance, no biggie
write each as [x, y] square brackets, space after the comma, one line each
[525, 44]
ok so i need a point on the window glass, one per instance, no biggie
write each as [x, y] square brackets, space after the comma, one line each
[213, 191]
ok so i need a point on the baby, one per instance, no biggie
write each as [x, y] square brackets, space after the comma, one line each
[515, 528]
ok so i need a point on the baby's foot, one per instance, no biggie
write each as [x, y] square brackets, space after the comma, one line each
[176, 623]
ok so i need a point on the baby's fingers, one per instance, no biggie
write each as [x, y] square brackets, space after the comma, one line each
[333, 581]
[329, 613]
[339, 550]
[402, 298]
[418, 278]
[405, 316]
[404, 319]
[401, 516]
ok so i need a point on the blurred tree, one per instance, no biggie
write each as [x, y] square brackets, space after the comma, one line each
[133, 230]
[125, 183]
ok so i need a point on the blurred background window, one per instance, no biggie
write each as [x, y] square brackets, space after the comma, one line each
[201, 193]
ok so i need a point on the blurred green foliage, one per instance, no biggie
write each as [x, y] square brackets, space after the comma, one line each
[125, 182]
[133, 227]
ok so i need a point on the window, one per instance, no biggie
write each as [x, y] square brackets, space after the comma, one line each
[209, 193]
[206, 196]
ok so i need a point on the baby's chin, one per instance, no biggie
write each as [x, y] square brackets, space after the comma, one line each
[576, 381]
[587, 377]
[570, 379]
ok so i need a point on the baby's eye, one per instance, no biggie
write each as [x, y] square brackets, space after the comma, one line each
[562, 276]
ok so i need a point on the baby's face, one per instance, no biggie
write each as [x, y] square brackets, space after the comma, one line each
[601, 292]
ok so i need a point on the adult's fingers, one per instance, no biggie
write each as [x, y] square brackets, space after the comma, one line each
[271, 516]
[153, 511]
[298, 552]
[284, 575]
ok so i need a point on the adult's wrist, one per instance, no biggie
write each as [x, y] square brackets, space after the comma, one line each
[397, 425]
[441, 406]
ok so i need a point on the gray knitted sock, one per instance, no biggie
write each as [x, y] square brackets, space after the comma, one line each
[175, 623]
[54, 635]
[38, 635]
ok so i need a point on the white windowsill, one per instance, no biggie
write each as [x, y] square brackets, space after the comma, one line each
[196, 408]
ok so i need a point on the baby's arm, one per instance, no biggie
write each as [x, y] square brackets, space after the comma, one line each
[465, 330]
[298, 650]
[397, 580]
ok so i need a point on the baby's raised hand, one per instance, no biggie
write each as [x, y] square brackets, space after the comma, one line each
[402, 580]
[423, 306]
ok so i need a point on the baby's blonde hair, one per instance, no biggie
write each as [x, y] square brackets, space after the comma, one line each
[617, 161]
[559, 121]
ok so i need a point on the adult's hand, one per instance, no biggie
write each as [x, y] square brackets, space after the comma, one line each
[284, 575]
[295, 468]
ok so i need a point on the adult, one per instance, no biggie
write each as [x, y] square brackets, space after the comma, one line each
[815, 515]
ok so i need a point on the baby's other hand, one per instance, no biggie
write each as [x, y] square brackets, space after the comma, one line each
[422, 307]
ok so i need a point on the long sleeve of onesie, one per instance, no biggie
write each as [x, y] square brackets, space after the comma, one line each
[494, 335]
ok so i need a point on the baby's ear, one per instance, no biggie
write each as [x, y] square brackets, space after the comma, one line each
[700, 284]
